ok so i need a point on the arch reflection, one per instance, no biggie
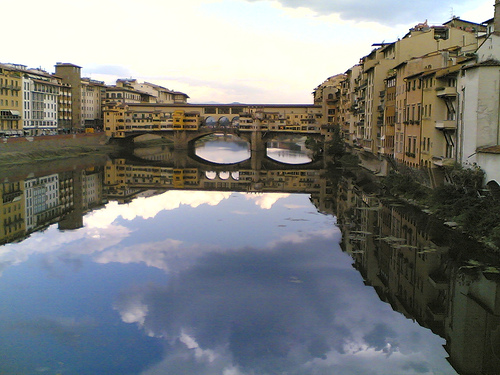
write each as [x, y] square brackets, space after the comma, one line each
[289, 150]
[222, 149]
[211, 175]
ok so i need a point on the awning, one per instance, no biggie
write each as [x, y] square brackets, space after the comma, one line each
[10, 112]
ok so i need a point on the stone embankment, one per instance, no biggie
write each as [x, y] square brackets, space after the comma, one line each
[22, 150]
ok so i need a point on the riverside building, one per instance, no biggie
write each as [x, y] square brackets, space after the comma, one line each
[406, 102]
[11, 101]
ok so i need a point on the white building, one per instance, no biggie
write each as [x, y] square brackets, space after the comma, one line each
[40, 102]
[478, 130]
[92, 93]
[42, 200]
[92, 190]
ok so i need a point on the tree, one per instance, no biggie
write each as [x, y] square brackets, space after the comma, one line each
[336, 146]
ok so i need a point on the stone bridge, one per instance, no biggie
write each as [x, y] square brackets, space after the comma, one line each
[164, 157]
[129, 175]
[183, 124]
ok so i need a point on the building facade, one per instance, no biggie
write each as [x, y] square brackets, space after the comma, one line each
[11, 101]
[41, 92]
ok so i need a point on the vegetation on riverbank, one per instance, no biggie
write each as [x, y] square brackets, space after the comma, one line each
[462, 200]
[9, 158]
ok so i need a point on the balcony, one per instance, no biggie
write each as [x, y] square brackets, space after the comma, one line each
[446, 91]
[11, 197]
[446, 125]
[436, 311]
[441, 161]
[438, 281]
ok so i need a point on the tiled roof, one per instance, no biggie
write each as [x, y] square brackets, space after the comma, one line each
[490, 150]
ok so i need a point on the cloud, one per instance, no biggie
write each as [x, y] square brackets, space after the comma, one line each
[52, 243]
[300, 237]
[153, 254]
[401, 12]
[290, 309]
[133, 310]
[149, 207]
[111, 70]
[266, 200]
[379, 338]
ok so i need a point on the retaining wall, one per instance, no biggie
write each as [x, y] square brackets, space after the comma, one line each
[46, 142]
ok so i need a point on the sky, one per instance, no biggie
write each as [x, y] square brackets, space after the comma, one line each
[217, 300]
[224, 51]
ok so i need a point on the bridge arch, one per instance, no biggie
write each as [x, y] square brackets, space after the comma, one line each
[224, 122]
[235, 122]
[210, 122]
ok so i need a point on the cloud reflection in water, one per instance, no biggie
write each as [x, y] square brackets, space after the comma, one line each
[290, 309]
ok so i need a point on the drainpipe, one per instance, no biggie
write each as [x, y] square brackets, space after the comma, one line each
[457, 137]
[498, 114]
[461, 123]
[421, 121]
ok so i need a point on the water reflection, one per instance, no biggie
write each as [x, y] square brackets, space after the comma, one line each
[290, 150]
[175, 266]
[223, 149]
[427, 272]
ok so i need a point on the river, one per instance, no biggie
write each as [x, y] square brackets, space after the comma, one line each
[223, 261]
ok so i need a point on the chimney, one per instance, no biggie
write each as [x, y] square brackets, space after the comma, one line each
[496, 22]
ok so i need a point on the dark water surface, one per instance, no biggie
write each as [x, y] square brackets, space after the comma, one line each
[155, 264]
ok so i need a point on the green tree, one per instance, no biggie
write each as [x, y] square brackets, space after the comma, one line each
[336, 146]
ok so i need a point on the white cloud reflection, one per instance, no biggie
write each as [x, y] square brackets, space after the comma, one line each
[101, 236]
[149, 207]
[237, 313]
[266, 200]
[85, 241]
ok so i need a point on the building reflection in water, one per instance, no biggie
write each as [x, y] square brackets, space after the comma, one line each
[34, 197]
[427, 272]
[424, 270]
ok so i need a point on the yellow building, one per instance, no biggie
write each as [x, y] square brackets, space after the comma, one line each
[186, 120]
[121, 118]
[426, 122]
[375, 122]
[12, 211]
[387, 119]
[11, 101]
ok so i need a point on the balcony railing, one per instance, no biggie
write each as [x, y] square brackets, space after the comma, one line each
[446, 91]
[446, 125]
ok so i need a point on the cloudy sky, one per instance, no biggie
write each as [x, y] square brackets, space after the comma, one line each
[138, 283]
[250, 51]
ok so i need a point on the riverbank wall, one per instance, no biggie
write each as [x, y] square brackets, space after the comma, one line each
[52, 142]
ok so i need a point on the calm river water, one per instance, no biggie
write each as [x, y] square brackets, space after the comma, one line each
[163, 263]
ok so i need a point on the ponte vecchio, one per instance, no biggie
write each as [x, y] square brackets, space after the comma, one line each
[184, 123]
